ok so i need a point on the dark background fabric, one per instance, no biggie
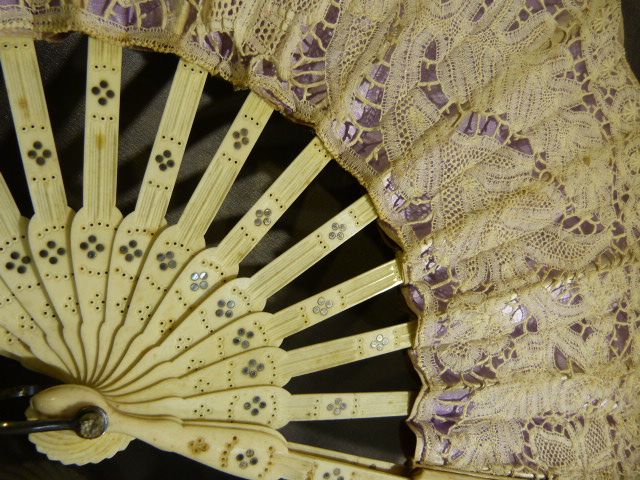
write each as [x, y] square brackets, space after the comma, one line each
[146, 82]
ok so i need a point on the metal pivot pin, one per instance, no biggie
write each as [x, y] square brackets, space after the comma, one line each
[89, 422]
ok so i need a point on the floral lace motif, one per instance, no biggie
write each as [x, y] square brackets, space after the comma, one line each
[500, 142]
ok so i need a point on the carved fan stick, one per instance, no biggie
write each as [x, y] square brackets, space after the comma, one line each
[244, 295]
[136, 232]
[48, 230]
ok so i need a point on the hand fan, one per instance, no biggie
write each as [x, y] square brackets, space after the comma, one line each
[499, 144]
[153, 324]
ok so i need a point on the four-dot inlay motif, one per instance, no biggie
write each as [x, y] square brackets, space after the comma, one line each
[128, 256]
[166, 260]
[51, 251]
[262, 217]
[165, 161]
[255, 405]
[253, 368]
[103, 92]
[380, 342]
[90, 245]
[247, 458]
[25, 260]
[323, 306]
[337, 406]
[225, 308]
[337, 231]
[241, 338]
[39, 153]
[241, 138]
[336, 473]
[199, 280]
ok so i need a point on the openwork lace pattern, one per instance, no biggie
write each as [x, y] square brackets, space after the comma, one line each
[500, 141]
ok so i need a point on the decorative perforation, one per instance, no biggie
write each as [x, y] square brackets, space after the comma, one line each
[199, 445]
[202, 411]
